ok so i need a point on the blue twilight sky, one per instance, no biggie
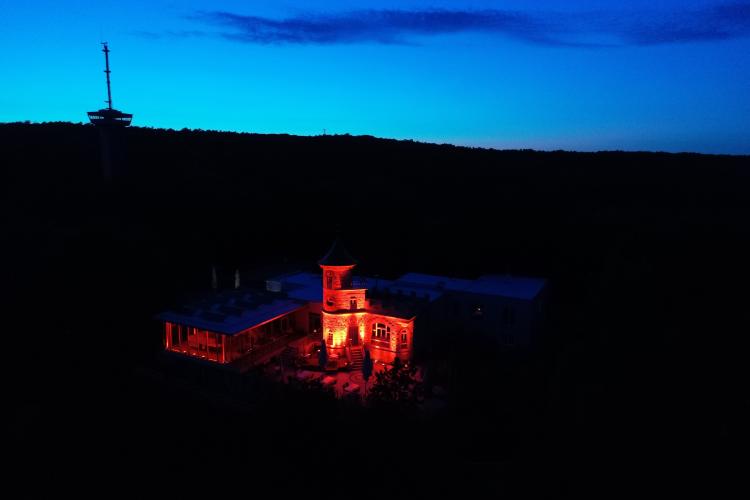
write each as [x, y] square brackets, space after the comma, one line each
[670, 75]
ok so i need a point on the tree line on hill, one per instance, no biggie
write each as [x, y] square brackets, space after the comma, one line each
[644, 253]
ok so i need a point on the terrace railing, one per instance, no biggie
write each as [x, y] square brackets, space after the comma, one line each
[261, 353]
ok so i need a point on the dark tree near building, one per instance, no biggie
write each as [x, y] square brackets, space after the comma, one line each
[323, 356]
[396, 386]
[367, 368]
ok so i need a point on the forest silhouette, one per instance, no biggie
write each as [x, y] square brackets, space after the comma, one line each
[643, 253]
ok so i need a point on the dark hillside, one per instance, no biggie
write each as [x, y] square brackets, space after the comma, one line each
[646, 254]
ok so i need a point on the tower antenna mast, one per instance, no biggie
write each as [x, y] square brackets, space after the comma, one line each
[107, 71]
[109, 116]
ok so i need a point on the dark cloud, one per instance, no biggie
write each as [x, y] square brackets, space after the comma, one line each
[170, 33]
[407, 26]
[713, 23]
[383, 26]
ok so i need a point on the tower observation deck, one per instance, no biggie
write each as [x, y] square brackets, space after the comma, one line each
[109, 116]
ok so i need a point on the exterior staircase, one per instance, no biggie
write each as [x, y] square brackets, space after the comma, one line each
[357, 357]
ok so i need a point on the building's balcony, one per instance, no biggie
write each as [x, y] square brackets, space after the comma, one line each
[210, 353]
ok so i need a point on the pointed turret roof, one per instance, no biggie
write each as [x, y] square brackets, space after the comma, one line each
[337, 256]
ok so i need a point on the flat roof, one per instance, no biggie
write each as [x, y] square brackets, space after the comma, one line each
[232, 312]
[301, 286]
[407, 290]
[308, 286]
[516, 287]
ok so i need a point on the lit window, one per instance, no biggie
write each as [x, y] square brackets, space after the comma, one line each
[381, 331]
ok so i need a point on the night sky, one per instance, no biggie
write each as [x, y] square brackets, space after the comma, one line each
[669, 75]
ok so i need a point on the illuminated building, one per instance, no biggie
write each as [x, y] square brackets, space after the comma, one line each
[297, 311]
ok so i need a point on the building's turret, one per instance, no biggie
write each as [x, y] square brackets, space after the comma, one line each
[337, 267]
[343, 305]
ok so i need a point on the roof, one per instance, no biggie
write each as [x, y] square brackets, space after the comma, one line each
[232, 312]
[301, 286]
[337, 256]
[516, 287]
[307, 286]
[402, 289]
[398, 306]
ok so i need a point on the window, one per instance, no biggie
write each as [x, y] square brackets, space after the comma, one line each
[404, 338]
[329, 279]
[478, 311]
[353, 303]
[381, 331]
[329, 301]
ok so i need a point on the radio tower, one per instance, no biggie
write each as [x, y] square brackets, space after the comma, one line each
[108, 121]
[109, 116]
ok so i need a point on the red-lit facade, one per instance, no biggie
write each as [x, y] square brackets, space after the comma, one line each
[345, 320]
[224, 348]
[349, 322]
[298, 311]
